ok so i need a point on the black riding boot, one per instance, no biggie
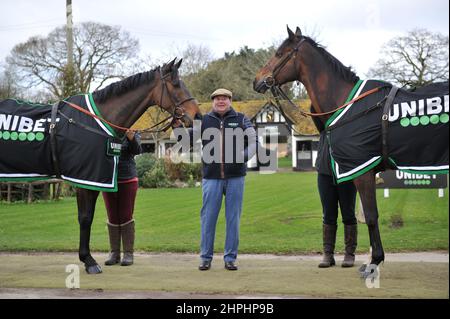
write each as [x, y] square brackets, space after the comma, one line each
[127, 232]
[329, 241]
[114, 242]
[351, 240]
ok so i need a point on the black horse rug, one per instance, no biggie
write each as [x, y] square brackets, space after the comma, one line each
[86, 149]
[415, 125]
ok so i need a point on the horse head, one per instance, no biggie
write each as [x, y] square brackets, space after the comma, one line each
[174, 97]
[282, 66]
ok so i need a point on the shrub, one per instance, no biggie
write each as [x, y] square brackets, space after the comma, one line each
[144, 163]
[153, 172]
[183, 171]
[175, 170]
[156, 177]
[195, 170]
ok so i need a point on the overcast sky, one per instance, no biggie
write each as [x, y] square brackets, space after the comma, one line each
[353, 31]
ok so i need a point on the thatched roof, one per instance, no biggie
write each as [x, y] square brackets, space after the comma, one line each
[152, 116]
[303, 125]
[249, 108]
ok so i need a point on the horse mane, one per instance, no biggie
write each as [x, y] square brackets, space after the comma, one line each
[345, 72]
[120, 87]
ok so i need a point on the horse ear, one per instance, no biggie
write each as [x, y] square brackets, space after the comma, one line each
[177, 66]
[167, 67]
[298, 33]
[170, 65]
[291, 34]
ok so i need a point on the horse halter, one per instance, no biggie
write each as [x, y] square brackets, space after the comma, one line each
[178, 111]
[270, 81]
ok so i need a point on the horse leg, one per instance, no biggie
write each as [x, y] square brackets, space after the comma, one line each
[86, 200]
[366, 188]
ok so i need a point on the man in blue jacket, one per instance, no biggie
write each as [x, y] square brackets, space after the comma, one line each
[233, 139]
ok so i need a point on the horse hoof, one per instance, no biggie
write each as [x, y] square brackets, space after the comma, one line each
[94, 269]
[362, 269]
[365, 275]
[368, 271]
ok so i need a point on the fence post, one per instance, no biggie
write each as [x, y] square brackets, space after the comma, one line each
[30, 193]
[360, 212]
[8, 194]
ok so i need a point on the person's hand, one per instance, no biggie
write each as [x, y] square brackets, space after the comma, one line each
[130, 134]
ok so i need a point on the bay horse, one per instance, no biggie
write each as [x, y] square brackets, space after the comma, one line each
[123, 103]
[118, 106]
[328, 83]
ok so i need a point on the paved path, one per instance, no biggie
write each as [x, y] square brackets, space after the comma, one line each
[265, 262]
[427, 256]
[432, 256]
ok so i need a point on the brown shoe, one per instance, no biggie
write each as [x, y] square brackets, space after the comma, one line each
[114, 242]
[127, 232]
[327, 261]
[351, 241]
[329, 241]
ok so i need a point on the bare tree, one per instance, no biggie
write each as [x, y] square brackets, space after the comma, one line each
[8, 87]
[195, 58]
[101, 52]
[414, 60]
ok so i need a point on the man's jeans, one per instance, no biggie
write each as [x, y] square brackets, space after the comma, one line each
[213, 190]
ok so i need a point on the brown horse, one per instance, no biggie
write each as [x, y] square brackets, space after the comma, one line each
[328, 83]
[122, 103]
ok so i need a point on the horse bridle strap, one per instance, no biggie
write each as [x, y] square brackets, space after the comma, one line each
[79, 108]
[282, 63]
[177, 105]
[284, 113]
[304, 113]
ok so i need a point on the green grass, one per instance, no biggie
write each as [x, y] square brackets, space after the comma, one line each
[285, 162]
[282, 214]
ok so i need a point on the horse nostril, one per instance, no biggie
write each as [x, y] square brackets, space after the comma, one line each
[255, 84]
[260, 86]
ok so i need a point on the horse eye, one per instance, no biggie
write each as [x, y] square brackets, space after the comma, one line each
[278, 54]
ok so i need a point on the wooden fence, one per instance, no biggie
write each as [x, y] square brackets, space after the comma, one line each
[29, 191]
